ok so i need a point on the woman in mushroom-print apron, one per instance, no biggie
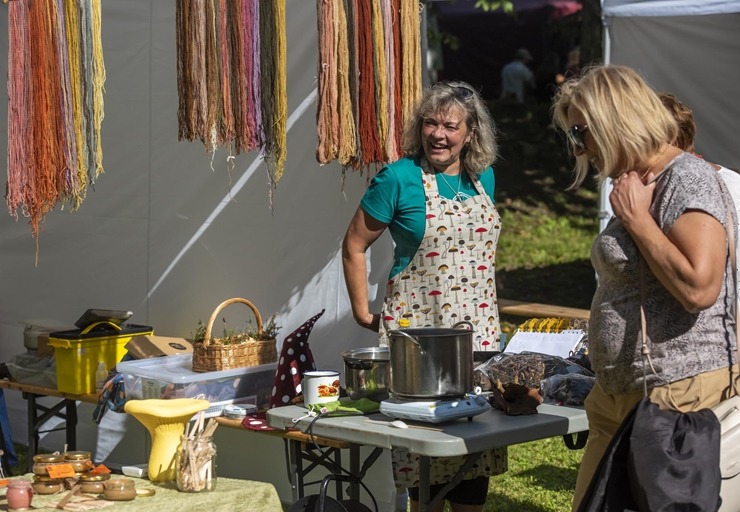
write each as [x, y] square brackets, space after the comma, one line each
[450, 278]
[437, 204]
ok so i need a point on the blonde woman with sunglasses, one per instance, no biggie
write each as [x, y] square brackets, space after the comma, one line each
[670, 211]
[437, 203]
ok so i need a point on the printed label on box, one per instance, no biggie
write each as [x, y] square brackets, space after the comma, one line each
[150, 389]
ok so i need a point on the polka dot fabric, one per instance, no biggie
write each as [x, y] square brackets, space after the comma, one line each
[295, 359]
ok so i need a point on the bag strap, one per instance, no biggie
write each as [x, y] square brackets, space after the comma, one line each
[731, 235]
[643, 329]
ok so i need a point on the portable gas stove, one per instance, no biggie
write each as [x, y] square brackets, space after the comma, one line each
[435, 410]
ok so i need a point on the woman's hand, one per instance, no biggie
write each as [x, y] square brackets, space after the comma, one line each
[630, 197]
[689, 259]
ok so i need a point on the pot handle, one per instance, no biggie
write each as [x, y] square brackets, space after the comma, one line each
[413, 340]
[358, 364]
[464, 322]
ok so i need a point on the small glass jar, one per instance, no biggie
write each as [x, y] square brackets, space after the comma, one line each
[80, 461]
[42, 462]
[119, 489]
[19, 495]
[93, 484]
[80, 466]
[44, 485]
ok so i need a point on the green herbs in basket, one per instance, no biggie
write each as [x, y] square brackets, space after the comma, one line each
[251, 346]
[250, 331]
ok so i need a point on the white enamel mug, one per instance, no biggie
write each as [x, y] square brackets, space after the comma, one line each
[320, 387]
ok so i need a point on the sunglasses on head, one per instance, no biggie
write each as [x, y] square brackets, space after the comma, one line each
[575, 136]
[462, 92]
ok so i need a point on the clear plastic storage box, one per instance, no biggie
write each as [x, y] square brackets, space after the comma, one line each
[173, 377]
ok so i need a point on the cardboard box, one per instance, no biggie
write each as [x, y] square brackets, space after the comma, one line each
[146, 346]
[43, 348]
[173, 377]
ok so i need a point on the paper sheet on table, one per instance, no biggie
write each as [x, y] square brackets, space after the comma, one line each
[552, 343]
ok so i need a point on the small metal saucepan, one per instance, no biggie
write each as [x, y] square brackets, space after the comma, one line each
[367, 372]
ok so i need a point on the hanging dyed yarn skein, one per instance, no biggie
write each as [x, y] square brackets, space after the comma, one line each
[369, 78]
[56, 75]
[231, 77]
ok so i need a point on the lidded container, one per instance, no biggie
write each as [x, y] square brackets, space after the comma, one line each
[78, 352]
[431, 362]
[367, 373]
[119, 489]
[42, 461]
[93, 484]
[43, 485]
[79, 460]
[31, 335]
[19, 495]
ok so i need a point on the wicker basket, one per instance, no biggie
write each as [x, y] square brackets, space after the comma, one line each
[212, 354]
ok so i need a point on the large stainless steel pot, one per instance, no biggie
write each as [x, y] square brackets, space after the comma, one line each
[367, 372]
[431, 362]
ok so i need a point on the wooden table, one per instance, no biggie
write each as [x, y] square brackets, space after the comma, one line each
[38, 414]
[229, 494]
[537, 310]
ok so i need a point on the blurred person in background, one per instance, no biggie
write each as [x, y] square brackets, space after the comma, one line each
[516, 77]
[684, 116]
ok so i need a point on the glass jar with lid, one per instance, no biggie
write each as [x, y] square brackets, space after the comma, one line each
[93, 484]
[119, 489]
[44, 485]
[42, 461]
[19, 495]
[79, 460]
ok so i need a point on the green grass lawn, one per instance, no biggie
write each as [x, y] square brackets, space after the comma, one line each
[541, 478]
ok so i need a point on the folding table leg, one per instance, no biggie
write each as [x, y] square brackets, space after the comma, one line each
[296, 465]
[338, 462]
[71, 427]
[354, 468]
[424, 478]
[36, 420]
[32, 435]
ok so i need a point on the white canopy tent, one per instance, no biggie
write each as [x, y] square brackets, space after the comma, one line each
[691, 49]
[169, 233]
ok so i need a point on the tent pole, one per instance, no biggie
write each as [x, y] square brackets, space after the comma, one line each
[605, 210]
[424, 43]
